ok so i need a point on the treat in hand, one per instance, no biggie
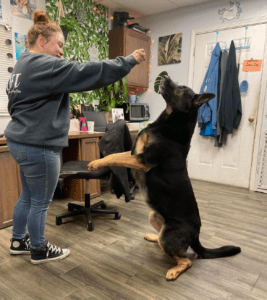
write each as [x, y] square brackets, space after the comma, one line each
[139, 55]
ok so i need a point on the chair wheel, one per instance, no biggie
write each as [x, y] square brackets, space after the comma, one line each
[70, 207]
[117, 216]
[58, 221]
[103, 206]
[90, 226]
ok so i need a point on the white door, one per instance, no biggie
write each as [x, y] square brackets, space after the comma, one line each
[230, 164]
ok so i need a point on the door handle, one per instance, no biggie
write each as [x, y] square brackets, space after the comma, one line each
[251, 119]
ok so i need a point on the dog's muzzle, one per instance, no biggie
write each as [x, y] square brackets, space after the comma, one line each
[163, 81]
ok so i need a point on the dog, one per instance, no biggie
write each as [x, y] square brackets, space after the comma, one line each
[158, 162]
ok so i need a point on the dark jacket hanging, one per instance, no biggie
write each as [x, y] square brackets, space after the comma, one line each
[231, 110]
[117, 139]
[221, 135]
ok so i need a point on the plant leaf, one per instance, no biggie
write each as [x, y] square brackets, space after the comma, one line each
[125, 90]
[117, 87]
[113, 103]
[109, 88]
[157, 81]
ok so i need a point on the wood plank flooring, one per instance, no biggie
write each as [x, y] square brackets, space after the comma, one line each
[115, 262]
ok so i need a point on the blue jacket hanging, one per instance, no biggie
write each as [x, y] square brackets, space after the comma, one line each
[207, 114]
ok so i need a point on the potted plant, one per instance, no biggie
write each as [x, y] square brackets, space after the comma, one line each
[67, 23]
[111, 96]
[80, 98]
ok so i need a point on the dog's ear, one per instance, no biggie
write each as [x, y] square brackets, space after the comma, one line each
[203, 98]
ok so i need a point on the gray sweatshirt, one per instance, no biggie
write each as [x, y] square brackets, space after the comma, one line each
[38, 92]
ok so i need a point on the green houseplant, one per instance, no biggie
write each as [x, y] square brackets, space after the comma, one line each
[111, 96]
[68, 23]
[80, 98]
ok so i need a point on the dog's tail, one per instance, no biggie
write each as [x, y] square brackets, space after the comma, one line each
[214, 253]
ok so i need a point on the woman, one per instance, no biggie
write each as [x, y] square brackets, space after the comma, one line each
[38, 92]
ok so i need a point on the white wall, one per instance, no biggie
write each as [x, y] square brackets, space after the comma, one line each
[184, 20]
[19, 25]
[175, 21]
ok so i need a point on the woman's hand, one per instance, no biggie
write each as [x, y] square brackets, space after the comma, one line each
[139, 55]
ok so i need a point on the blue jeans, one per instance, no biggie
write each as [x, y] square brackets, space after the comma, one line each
[39, 172]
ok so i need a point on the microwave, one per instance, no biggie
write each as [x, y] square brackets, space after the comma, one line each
[137, 112]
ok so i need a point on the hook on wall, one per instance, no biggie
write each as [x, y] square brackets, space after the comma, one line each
[8, 42]
[246, 35]
[7, 27]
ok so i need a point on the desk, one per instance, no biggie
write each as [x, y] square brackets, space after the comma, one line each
[10, 185]
[2, 141]
[82, 146]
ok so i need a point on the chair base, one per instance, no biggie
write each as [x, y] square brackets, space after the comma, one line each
[76, 210]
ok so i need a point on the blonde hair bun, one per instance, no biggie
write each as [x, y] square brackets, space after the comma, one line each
[40, 17]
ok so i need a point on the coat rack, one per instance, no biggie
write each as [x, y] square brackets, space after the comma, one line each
[242, 43]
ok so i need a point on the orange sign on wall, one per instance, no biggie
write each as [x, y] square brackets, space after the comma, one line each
[252, 65]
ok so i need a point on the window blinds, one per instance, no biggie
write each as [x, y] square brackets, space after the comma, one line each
[6, 61]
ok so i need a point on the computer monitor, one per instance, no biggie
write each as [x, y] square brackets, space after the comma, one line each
[97, 117]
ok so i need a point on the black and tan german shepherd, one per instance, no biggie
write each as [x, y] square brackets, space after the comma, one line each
[158, 161]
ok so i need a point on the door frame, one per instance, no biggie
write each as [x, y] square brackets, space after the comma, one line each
[260, 111]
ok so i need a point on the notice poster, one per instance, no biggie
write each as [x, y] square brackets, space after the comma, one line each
[19, 44]
[23, 8]
[252, 65]
[1, 17]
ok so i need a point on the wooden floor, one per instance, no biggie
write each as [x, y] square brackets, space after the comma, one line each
[115, 262]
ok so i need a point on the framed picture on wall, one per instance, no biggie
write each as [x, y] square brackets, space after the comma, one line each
[170, 49]
[117, 113]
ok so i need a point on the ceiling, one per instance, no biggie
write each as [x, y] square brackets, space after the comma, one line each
[142, 8]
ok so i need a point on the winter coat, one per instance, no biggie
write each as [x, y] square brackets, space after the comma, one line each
[231, 109]
[221, 135]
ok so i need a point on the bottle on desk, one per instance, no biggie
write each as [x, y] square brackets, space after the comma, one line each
[83, 125]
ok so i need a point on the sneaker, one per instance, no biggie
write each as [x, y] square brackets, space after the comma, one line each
[48, 253]
[20, 246]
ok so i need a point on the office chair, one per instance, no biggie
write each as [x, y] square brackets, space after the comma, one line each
[78, 170]
[117, 138]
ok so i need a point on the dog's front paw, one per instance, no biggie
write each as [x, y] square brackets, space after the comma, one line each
[94, 165]
[183, 265]
[151, 238]
[173, 273]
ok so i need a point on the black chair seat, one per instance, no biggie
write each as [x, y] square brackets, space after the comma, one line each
[78, 170]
